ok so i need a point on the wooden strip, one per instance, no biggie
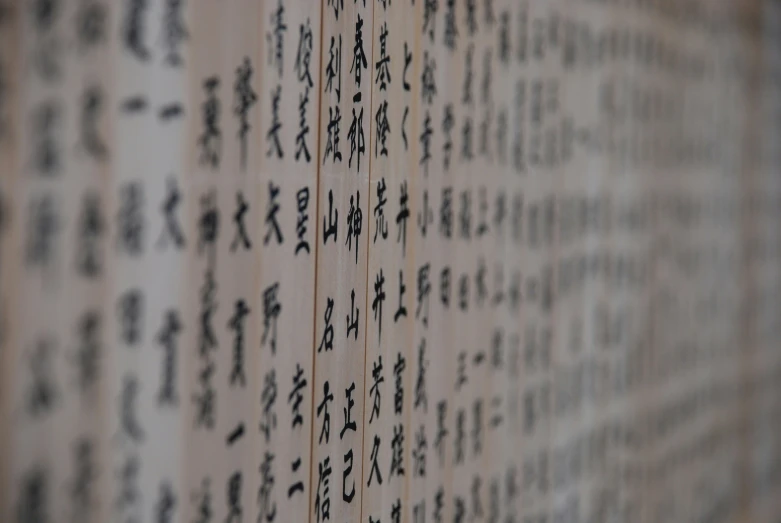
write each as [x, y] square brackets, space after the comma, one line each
[342, 253]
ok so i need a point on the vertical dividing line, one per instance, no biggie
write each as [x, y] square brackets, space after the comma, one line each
[366, 373]
[316, 197]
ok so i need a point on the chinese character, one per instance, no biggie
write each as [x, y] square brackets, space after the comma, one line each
[268, 398]
[374, 391]
[352, 318]
[271, 310]
[357, 138]
[375, 469]
[272, 224]
[171, 228]
[383, 64]
[296, 396]
[174, 31]
[91, 107]
[170, 330]
[245, 98]
[91, 228]
[302, 203]
[379, 297]
[328, 334]
[359, 56]
[236, 324]
[322, 407]
[334, 69]
[267, 508]
[210, 140]
[272, 135]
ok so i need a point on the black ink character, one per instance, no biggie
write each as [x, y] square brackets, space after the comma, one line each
[425, 143]
[130, 309]
[202, 499]
[87, 355]
[375, 468]
[471, 17]
[241, 238]
[167, 337]
[402, 216]
[174, 32]
[272, 225]
[205, 398]
[357, 139]
[448, 122]
[477, 427]
[347, 497]
[91, 24]
[444, 287]
[419, 453]
[208, 223]
[35, 496]
[276, 39]
[442, 432]
[349, 422]
[133, 29]
[296, 396]
[268, 398]
[477, 505]
[425, 215]
[272, 135]
[302, 204]
[379, 298]
[354, 223]
[236, 324]
[172, 231]
[43, 394]
[327, 340]
[334, 69]
[271, 311]
[383, 129]
[267, 508]
[245, 98]
[377, 380]
[42, 230]
[332, 140]
[397, 451]
[460, 438]
[323, 502]
[298, 486]
[421, 395]
[424, 289]
[47, 153]
[401, 310]
[303, 57]
[91, 108]
[429, 17]
[304, 54]
[80, 488]
[131, 224]
[129, 425]
[451, 27]
[359, 56]
[428, 86]
[165, 508]
[322, 407]
[352, 318]
[396, 511]
[382, 66]
[398, 393]
[91, 229]
[235, 510]
[210, 140]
